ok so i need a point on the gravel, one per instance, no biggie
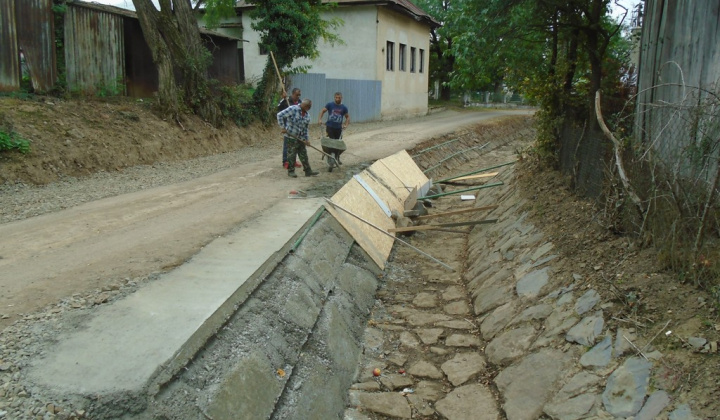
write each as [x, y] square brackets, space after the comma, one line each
[20, 201]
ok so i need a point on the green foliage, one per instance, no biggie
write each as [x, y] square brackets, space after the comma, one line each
[9, 140]
[59, 9]
[237, 104]
[442, 59]
[216, 10]
[290, 29]
[553, 52]
[113, 88]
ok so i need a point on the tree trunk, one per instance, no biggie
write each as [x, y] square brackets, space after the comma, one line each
[167, 88]
[173, 35]
[596, 53]
[572, 57]
[263, 95]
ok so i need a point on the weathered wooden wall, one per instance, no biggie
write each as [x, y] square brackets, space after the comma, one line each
[94, 51]
[27, 26]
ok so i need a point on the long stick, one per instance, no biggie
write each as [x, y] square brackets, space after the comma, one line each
[618, 158]
[335, 205]
[655, 336]
[450, 213]
[449, 230]
[464, 178]
[475, 172]
[277, 70]
[497, 184]
[311, 146]
[442, 225]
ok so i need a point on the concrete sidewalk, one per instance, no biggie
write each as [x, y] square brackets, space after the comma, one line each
[134, 344]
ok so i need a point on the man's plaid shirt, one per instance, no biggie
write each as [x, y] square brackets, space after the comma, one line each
[294, 122]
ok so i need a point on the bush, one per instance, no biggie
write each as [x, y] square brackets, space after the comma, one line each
[13, 141]
[236, 103]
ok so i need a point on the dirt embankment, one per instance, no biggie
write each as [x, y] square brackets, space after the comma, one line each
[79, 138]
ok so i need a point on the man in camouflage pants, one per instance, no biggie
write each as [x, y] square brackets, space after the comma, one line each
[294, 121]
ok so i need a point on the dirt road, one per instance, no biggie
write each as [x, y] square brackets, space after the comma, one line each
[92, 246]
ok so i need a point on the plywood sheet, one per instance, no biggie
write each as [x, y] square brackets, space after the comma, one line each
[353, 197]
[391, 200]
[392, 180]
[400, 174]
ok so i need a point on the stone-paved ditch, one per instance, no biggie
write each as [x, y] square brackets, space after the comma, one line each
[514, 333]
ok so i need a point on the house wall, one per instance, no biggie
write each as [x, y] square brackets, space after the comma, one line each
[253, 61]
[678, 86]
[365, 31]
[404, 93]
[356, 58]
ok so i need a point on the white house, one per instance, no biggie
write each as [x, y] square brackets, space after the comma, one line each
[385, 42]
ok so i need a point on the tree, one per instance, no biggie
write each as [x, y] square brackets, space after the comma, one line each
[173, 36]
[442, 60]
[290, 29]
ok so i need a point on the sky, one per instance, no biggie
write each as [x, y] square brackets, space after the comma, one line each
[125, 4]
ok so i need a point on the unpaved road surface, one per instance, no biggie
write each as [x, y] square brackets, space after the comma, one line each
[90, 246]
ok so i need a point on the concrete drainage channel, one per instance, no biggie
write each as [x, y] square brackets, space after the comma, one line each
[292, 348]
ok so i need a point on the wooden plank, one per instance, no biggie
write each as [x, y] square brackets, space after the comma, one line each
[462, 178]
[405, 168]
[441, 225]
[393, 179]
[454, 212]
[411, 199]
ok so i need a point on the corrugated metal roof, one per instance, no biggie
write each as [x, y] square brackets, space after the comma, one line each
[403, 6]
[131, 14]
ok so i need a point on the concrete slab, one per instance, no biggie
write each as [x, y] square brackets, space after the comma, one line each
[132, 341]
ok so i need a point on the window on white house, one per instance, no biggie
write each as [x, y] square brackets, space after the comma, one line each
[390, 56]
[412, 59]
[422, 61]
[401, 57]
[263, 49]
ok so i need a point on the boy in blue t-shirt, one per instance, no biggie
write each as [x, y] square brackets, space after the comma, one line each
[336, 112]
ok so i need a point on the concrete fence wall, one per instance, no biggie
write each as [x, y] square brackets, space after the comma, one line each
[678, 85]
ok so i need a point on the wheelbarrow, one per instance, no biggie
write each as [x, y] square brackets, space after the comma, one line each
[332, 160]
[332, 149]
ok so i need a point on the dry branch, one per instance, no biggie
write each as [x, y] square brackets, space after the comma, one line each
[618, 157]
